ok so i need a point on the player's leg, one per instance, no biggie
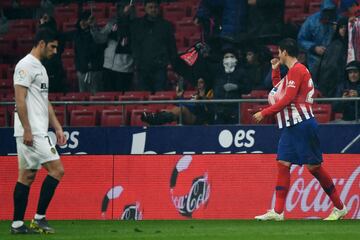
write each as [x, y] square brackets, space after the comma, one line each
[319, 172]
[286, 154]
[28, 164]
[281, 190]
[20, 197]
[50, 160]
[311, 155]
[55, 173]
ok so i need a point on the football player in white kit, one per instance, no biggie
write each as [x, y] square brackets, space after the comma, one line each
[33, 113]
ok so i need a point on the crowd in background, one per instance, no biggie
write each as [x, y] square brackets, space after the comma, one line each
[136, 53]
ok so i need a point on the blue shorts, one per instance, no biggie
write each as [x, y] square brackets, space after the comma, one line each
[299, 144]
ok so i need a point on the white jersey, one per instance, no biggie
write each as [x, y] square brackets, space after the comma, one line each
[30, 73]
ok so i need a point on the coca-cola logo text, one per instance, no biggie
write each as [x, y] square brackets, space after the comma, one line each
[310, 197]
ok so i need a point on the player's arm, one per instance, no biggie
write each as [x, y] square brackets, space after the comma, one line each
[21, 109]
[275, 74]
[290, 94]
[54, 122]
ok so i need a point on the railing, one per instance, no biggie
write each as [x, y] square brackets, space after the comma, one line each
[181, 102]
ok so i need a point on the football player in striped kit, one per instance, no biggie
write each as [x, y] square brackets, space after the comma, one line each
[291, 103]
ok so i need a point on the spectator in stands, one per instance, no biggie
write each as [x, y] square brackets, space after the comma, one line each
[257, 66]
[89, 56]
[316, 33]
[222, 18]
[265, 20]
[54, 66]
[351, 9]
[192, 113]
[230, 83]
[332, 65]
[4, 24]
[118, 59]
[349, 89]
[154, 48]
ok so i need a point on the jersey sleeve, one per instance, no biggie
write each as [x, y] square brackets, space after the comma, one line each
[22, 76]
[275, 76]
[292, 88]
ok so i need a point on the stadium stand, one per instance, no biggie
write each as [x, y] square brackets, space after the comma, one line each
[18, 41]
[83, 117]
[112, 118]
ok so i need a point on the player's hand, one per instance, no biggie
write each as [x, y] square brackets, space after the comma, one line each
[60, 136]
[275, 62]
[28, 137]
[252, 2]
[258, 117]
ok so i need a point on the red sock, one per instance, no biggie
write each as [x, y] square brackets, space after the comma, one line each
[282, 187]
[327, 184]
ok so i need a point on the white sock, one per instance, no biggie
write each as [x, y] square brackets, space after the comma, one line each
[16, 224]
[38, 216]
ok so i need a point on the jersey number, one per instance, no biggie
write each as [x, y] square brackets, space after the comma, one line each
[309, 96]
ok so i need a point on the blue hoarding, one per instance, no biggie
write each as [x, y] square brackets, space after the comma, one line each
[187, 139]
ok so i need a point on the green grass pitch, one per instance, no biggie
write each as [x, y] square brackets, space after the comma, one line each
[195, 229]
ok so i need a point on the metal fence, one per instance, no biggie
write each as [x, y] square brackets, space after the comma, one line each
[182, 103]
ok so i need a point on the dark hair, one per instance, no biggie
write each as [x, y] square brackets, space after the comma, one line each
[151, 1]
[85, 15]
[342, 22]
[45, 34]
[290, 46]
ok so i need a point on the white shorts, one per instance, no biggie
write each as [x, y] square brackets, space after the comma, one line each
[42, 151]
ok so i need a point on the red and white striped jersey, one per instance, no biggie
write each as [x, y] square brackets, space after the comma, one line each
[291, 98]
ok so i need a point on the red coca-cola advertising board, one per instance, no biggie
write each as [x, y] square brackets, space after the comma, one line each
[183, 187]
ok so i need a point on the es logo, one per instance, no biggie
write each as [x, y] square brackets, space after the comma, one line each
[240, 139]
[72, 140]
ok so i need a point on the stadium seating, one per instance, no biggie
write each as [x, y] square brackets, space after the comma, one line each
[24, 44]
[140, 95]
[63, 13]
[112, 118]
[314, 6]
[76, 96]
[3, 71]
[29, 3]
[115, 95]
[60, 114]
[322, 112]
[7, 45]
[69, 25]
[3, 117]
[83, 118]
[55, 96]
[189, 93]
[135, 119]
[102, 98]
[250, 110]
[166, 94]
[22, 26]
[6, 3]
[6, 86]
[256, 94]
[99, 10]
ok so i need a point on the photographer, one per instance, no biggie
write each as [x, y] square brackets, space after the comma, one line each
[192, 113]
[118, 60]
